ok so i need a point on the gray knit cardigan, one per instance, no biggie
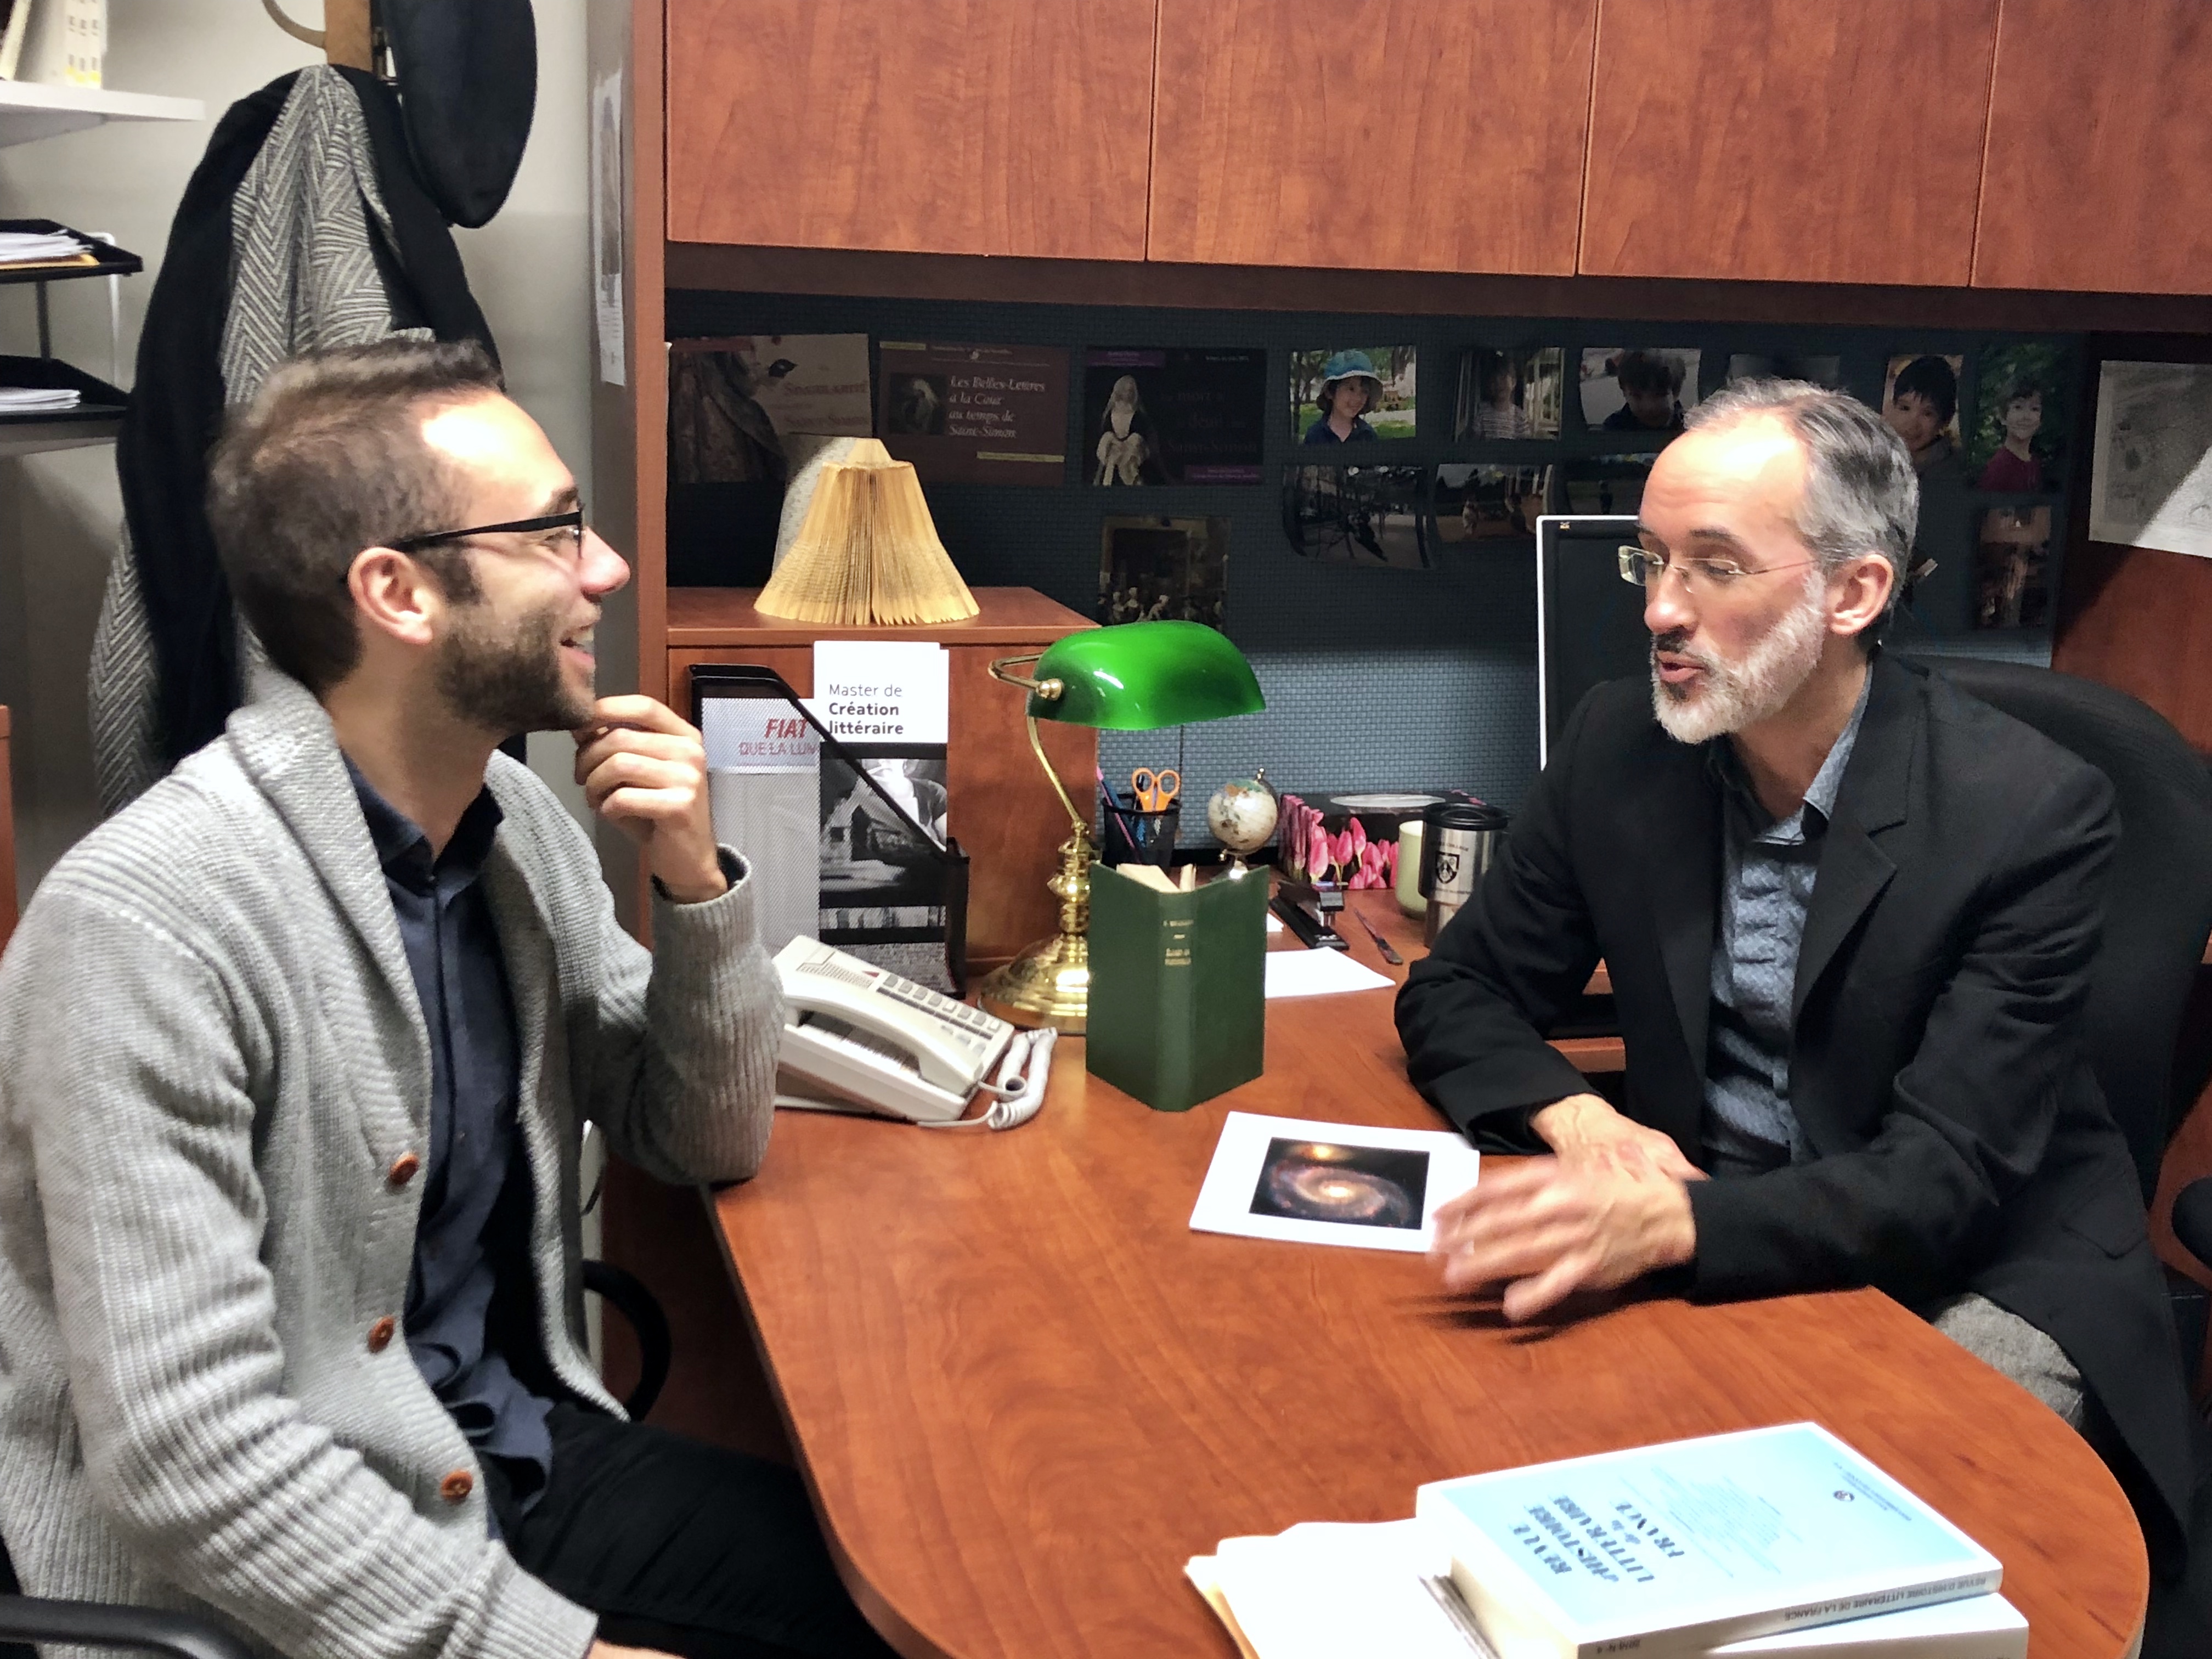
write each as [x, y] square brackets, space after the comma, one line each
[211, 1052]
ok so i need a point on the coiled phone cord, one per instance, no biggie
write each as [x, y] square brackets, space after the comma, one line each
[1023, 1073]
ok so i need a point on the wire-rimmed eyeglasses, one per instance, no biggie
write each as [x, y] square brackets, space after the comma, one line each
[1641, 567]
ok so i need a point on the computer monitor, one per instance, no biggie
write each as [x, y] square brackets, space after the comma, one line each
[1589, 624]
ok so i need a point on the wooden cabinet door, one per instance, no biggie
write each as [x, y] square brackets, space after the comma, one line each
[2100, 170]
[1815, 140]
[1392, 134]
[938, 126]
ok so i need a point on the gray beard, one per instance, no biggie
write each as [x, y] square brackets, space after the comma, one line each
[510, 683]
[1734, 695]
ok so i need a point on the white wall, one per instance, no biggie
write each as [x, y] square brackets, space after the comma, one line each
[59, 513]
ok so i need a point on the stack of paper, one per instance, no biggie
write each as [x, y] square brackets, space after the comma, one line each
[27, 247]
[37, 399]
[1772, 1544]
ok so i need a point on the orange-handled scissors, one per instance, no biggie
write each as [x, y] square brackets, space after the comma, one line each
[1155, 791]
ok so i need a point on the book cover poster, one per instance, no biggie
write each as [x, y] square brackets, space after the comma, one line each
[1359, 515]
[732, 401]
[1173, 416]
[2018, 437]
[1641, 389]
[763, 763]
[1353, 394]
[1156, 569]
[1516, 393]
[1824, 369]
[1920, 401]
[887, 702]
[1489, 503]
[976, 414]
[2012, 567]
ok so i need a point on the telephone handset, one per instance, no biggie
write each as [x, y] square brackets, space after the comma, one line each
[858, 1038]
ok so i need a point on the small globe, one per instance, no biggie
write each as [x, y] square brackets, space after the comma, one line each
[1242, 815]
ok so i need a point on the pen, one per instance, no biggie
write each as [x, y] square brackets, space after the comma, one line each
[1381, 944]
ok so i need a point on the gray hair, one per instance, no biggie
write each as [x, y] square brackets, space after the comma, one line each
[1860, 493]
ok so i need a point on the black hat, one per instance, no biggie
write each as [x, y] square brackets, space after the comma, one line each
[468, 84]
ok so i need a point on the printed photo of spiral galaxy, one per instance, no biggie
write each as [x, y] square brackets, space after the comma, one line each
[1329, 1180]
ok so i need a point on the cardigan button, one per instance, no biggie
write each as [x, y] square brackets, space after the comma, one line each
[381, 1333]
[456, 1487]
[403, 1169]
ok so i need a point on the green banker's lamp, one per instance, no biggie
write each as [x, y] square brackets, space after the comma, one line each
[1137, 677]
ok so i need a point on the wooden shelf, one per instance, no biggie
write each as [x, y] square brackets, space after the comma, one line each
[36, 437]
[709, 617]
[29, 111]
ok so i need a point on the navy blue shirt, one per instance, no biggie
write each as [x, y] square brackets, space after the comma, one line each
[475, 1150]
[1768, 870]
[1321, 432]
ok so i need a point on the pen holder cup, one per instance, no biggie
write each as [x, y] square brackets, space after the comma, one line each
[1134, 836]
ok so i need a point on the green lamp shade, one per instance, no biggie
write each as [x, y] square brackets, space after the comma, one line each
[1141, 676]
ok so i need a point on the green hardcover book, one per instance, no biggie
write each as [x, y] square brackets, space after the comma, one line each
[1178, 987]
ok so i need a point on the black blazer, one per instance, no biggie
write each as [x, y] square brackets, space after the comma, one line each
[1960, 1139]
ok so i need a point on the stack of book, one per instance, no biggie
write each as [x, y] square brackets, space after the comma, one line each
[1762, 1545]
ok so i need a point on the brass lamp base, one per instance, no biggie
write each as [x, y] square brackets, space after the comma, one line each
[1049, 983]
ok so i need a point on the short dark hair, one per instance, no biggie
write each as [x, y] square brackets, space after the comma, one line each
[328, 459]
[1933, 379]
[2018, 388]
[1643, 371]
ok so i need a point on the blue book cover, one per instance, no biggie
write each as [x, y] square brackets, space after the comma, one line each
[1677, 1548]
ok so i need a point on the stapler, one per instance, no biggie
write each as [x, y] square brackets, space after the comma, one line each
[1305, 910]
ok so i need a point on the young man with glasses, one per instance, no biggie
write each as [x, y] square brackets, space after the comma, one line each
[294, 1054]
[1849, 914]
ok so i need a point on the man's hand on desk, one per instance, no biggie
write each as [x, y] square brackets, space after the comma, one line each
[1589, 1134]
[1545, 1228]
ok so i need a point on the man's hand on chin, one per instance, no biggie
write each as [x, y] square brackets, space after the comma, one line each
[645, 770]
[1545, 1228]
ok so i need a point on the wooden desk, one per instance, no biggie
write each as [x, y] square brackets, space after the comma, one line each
[1023, 1392]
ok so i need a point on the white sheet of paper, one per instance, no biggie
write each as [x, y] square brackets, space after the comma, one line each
[1317, 974]
[2150, 479]
[878, 691]
[1270, 1176]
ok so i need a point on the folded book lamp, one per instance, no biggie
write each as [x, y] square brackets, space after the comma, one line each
[1134, 677]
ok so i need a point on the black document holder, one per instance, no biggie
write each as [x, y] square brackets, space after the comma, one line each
[940, 871]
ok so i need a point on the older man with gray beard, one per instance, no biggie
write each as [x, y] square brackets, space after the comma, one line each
[1850, 915]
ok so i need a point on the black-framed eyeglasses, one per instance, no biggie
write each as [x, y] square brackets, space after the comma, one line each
[571, 520]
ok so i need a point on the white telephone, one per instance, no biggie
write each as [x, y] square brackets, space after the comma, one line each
[858, 1038]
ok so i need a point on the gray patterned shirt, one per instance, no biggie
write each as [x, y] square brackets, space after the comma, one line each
[1767, 871]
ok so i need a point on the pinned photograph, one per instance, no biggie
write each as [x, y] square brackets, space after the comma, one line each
[1331, 1183]
[1644, 389]
[733, 400]
[1485, 503]
[1361, 515]
[1605, 483]
[1152, 569]
[2018, 435]
[1825, 370]
[1518, 393]
[1354, 1186]
[2012, 567]
[1920, 401]
[1173, 416]
[1353, 395]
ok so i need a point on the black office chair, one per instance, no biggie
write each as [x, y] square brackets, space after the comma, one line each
[2158, 901]
[2158, 911]
[25, 1619]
